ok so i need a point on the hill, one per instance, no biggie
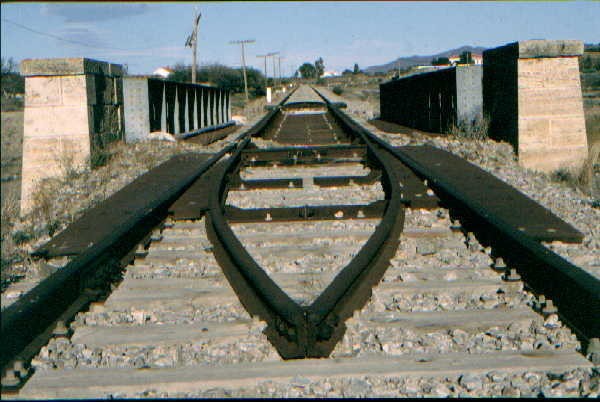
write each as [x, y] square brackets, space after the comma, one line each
[404, 62]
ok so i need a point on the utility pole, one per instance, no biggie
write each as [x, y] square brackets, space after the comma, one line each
[280, 58]
[243, 42]
[264, 56]
[273, 54]
[192, 42]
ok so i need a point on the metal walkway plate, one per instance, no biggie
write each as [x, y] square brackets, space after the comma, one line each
[134, 199]
[494, 195]
[194, 202]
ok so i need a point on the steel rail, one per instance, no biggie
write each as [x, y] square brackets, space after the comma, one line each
[574, 291]
[94, 268]
[313, 331]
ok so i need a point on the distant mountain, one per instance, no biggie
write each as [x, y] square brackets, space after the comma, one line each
[591, 47]
[404, 62]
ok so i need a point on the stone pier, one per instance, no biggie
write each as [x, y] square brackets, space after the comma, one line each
[532, 95]
[72, 106]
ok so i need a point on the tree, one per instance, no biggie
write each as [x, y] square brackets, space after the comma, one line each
[307, 70]
[347, 72]
[440, 61]
[356, 69]
[466, 58]
[320, 66]
[11, 81]
[221, 76]
[8, 65]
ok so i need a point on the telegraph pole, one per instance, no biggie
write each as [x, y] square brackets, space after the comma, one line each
[273, 54]
[192, 42]
[264, 56]
[280, 58]
[243, 42]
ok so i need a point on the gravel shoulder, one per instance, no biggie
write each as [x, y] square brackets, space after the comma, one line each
[62, 200]
[570, 204]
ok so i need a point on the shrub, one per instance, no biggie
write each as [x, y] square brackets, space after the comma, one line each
[476, 130]
[584, 178]
[21, 236]
[338, 90]
[590, 168]
[562, 175]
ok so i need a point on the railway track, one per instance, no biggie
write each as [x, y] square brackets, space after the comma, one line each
[308, 259]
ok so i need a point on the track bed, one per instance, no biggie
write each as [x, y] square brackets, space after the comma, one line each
[316, 264]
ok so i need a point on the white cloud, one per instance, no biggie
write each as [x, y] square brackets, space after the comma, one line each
[94, 12]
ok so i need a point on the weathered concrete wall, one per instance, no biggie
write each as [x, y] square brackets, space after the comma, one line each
[136, 108]
[532, 93]
[469, 100]
[434, 101]
[158, 105]
[71, 107]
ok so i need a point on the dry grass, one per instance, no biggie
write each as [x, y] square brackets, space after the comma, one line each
[59, 201]
[478, 130]
[585, 179]
[592, 125]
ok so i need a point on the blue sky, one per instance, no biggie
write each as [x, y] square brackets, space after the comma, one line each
[149, 35]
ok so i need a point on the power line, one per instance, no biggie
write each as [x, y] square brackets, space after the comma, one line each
[69, 40]
[264, 56]
[273, 54]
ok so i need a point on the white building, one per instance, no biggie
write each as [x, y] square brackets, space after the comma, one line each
[163, 72]
[330, 74]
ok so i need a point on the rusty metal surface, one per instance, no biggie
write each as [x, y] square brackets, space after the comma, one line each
[313, 331]
[306, 213]
[194, 202]
[308, 155]
[318, 128]
[100, 221]
[415, 194]
[499, 198]
[209, 136]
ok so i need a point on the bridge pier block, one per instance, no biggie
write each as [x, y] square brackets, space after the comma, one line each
[72, 108]
[532, 95]
[136, 111]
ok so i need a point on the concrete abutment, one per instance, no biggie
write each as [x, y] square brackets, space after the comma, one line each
[532, 93]
[529, 93]
[72, 108]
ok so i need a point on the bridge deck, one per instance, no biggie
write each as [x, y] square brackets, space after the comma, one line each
[132, 200]
[498, 198]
